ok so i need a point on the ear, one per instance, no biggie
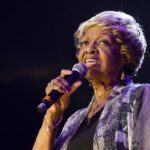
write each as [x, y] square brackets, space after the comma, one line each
[125, 59]
[125, 64]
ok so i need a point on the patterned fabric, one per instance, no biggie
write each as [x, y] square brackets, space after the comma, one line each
[123, 124]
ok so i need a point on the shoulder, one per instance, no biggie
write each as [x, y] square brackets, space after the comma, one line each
[141, 92]
[147, 87]
[138, 88]
[143, 87]
[138, 92]
[146, 91]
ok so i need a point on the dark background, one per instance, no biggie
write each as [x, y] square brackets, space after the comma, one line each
[36, 43]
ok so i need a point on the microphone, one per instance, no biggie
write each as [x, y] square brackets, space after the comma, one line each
[78, 71]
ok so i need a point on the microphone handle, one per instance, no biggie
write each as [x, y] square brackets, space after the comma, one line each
[51, 98]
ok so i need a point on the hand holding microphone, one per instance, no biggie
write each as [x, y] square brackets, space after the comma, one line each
[62, 87]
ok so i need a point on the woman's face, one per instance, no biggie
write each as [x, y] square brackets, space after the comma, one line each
[100, 53]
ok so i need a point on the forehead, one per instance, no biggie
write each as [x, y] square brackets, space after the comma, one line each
[97, 32]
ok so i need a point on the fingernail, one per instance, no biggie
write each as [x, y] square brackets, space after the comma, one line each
[79, 83]
[70, 71]
[67, 91]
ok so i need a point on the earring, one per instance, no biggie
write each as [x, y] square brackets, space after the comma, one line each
[123, 76]
[125, 79]
[90, 84]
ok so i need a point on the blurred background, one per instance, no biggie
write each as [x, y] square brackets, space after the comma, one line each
[36, 42]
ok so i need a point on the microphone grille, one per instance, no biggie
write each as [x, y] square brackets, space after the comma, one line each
[81, 68]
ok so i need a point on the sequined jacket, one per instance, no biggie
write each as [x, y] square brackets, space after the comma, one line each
[123, 125]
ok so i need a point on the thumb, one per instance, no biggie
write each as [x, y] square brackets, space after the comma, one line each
[65, 99]
[75, 86]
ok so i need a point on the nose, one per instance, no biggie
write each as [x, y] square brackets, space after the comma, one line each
[91, 49]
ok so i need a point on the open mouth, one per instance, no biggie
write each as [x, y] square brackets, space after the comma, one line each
[91, 61]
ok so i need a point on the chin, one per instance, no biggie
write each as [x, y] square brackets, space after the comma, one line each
[93, 75]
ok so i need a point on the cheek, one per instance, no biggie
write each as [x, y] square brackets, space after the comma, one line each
[116, 58]
[79, 56]
[111, 58]
[116, 54]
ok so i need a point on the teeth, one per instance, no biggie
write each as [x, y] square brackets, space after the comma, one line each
[93, 61]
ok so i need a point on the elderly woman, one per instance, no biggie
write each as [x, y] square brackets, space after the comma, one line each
[112, 46]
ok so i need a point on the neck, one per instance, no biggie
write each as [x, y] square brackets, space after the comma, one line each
[102, 89]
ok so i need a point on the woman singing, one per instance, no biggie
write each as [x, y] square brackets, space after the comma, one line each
[112, 46]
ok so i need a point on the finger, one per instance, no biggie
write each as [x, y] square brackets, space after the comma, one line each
[55, 84]
[65, 72]
[65, 99]
[50, 83]
[49, 87]
[62, 83]
[75, 86]
[59, 89]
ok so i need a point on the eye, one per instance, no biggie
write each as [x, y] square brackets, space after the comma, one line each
[104, 42]
[82, 44]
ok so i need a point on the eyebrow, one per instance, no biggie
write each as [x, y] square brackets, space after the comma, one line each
[105, 35]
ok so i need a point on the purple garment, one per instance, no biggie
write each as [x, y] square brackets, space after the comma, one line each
[123, 124]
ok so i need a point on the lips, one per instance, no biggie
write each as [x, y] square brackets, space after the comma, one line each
[92, 61]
